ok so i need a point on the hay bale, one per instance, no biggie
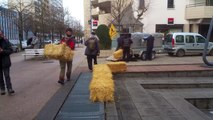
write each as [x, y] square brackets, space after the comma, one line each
[118, 54]
[59, 52]
[102, 86]
[117, 66]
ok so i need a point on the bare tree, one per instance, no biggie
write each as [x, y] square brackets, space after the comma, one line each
[23, 11]
[119, 8]
[141, 9]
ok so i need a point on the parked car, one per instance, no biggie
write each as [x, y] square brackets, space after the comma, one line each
[183, 43]
[15, 47]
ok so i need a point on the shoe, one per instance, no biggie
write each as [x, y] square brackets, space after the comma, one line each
[3, 92]
[61, 82]
[11, 91]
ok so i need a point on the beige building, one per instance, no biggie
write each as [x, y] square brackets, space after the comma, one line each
[162, 15]
[102, 11]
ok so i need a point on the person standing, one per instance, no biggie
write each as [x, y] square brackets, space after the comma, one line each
[92, 50]
[70, 42]
[126, 43]
[119, 42]
[5, 63]
[149, 46]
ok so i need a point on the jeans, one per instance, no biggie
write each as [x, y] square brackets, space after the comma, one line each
[5, 74]
[89, 60]
[63, 69]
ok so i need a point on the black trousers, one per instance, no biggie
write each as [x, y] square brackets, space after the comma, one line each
[89, 60]
[5, 75]
[126, 53]
[149, 53]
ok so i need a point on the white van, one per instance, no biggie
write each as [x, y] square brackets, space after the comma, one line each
[183, 43]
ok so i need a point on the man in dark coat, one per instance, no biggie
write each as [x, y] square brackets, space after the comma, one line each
[126, 43]
[92, 50]
[149, 46]
[5, 63]
[119, 42]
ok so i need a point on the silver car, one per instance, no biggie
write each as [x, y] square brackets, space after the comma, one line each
[182, 43]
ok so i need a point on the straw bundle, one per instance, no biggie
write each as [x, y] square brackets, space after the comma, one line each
[102, 85]
[59, 52]
[117, 66]
[118, 54]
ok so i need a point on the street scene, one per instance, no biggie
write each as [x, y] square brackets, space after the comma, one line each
[106, 60]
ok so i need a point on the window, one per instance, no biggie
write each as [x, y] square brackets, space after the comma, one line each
[190, 39]
[179, 39]
[200, 39]
[170, 4]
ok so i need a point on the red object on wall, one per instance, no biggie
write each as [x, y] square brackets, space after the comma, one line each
[170, 20]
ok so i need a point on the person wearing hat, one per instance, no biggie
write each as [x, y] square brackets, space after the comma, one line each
[5, 63]
[70, 42]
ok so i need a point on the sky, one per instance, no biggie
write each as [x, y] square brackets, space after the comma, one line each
[76, 8]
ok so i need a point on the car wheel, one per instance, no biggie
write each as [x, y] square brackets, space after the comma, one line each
[170, 54]
[143, 56]
[180, 53]
[211, 53]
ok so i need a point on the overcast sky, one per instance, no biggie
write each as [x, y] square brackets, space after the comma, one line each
[76, 9]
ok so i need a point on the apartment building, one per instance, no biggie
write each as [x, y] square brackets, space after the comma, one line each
[178, 16]
[7, 23]
[100, 11]
[161, 16]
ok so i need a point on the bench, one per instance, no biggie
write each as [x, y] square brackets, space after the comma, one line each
[33, 52]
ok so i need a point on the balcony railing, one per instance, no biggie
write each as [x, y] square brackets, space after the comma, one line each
[199, 4]
[199, 10]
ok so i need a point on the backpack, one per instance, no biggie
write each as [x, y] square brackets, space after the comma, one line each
[92, 44]
[126, 42]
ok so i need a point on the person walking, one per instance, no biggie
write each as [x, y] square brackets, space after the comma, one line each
[119, 42]
[92, 50]
[126, 43]
[70, 42]
[5, 63]
[149, 46]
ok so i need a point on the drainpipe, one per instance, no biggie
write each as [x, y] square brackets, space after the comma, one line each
[206, 45]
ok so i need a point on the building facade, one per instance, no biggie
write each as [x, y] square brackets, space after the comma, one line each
[178, 16]
[98, 12]
[7, 24]
[161, 16]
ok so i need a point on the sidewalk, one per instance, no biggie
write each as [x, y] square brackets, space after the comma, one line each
[57, 106]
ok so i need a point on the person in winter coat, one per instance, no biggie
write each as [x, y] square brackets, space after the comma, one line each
[149, 46]
[92, 50]
[126, 43]
[5, 63]
[119, 42]
[70, 42]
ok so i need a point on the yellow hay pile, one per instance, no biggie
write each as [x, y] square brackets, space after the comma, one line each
[102, 86]
[59, 52]
[118, 54]
[117, 66]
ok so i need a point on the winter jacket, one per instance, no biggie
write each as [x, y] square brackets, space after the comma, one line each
[70, 41]
[96, 49]
[5, 61]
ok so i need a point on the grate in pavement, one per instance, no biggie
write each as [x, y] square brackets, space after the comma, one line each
[78, 106]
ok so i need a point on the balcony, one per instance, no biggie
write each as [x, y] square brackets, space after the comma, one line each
[199, 10]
